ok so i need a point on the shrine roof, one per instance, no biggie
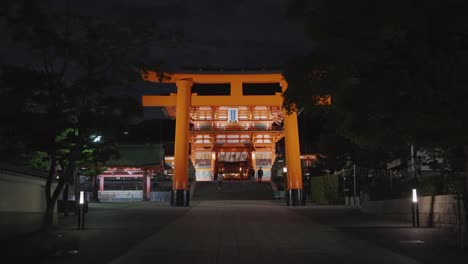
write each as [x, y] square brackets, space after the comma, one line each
[138, 155]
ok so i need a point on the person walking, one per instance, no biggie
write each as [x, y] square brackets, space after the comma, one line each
[219, 182]
[259, 175]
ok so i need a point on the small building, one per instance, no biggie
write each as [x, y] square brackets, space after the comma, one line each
[129, 176]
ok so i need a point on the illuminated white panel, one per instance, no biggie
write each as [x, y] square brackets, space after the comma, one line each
[232, 136]
[233, 114]
[232, 141]
[205, 108]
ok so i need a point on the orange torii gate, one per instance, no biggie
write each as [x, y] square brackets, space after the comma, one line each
[184, 99]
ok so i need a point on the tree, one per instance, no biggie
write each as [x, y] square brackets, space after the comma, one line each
[68, 91]
[396, 71]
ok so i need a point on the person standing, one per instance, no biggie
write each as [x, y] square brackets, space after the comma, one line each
[259, 175]
[252, 174]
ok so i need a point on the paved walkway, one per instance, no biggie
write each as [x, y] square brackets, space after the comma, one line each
[239, 232]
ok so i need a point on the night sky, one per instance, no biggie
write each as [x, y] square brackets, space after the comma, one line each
[249, 34]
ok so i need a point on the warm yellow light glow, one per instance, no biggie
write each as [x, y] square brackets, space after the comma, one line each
[324, 100]
[213, 155]
[253, 155]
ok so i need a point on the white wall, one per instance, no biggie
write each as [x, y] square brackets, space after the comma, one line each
[21, 193]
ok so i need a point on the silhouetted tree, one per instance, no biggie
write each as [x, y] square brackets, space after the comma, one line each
[71, 89]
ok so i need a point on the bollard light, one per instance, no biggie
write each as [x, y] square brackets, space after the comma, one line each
[415, 196]
[415, 209]
[81, 197]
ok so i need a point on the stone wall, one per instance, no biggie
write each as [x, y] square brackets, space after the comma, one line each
[437, 211]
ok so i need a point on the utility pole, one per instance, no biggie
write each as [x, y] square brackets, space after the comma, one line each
[354, 184]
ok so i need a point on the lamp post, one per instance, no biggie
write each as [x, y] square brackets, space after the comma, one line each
[415, 209]
[285, 172]
[81, 212]
[96, 139]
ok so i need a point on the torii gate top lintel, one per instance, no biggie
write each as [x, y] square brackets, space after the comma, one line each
[208, 78]
[235, 80]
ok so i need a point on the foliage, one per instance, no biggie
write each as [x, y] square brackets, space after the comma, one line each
[396, 71]
[324, 189]
[70, 89]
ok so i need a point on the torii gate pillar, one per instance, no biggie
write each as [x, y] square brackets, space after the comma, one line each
[180, 195]
[295, 195]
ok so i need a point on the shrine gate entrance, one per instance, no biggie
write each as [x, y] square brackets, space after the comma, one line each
[228, 135]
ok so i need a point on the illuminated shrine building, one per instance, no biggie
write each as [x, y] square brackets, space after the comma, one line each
[228, 140]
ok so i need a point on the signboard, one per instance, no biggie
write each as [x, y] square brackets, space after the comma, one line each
[233, 114]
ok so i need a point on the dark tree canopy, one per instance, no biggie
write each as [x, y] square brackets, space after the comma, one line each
[396, 70]
[68, 92]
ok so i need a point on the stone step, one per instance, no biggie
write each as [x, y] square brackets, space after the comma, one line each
[233, 190]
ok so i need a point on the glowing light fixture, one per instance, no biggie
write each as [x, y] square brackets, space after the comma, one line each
[415, 196]
[81, 197]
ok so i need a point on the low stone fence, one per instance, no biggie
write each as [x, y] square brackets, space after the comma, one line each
[120, 196]
[128, 196]
[161, 196]
[434, 211]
